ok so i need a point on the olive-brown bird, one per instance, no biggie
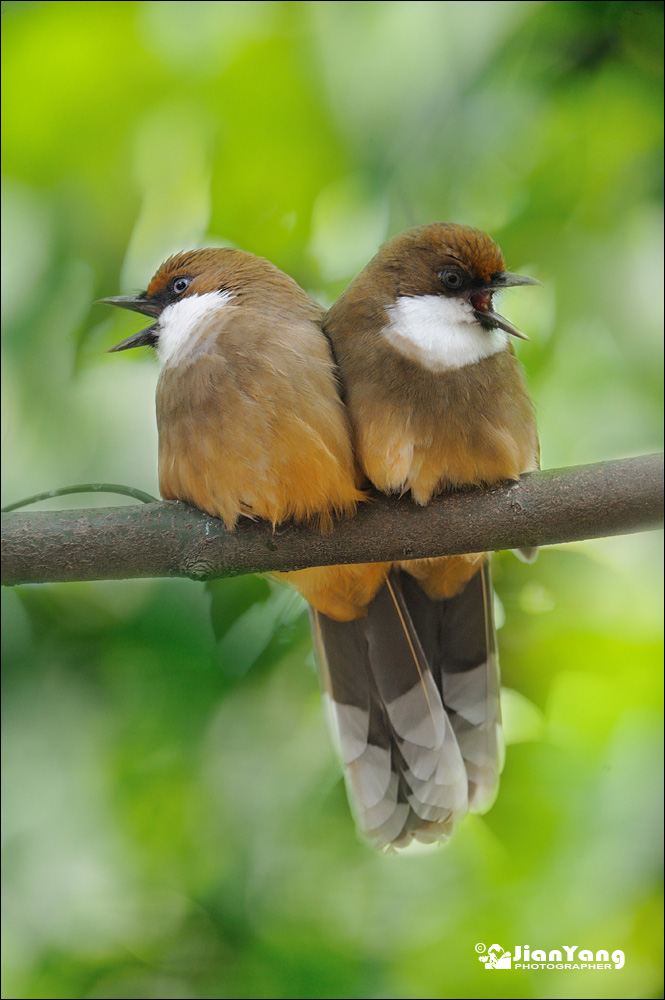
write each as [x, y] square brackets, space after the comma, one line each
[251, 424]
[249, 413]
[437, 402]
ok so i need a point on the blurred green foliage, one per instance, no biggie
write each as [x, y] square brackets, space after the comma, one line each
[176, 825]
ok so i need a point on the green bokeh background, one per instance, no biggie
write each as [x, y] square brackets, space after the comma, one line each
[175, 821]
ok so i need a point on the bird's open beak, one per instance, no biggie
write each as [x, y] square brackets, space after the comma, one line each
[144, 338]
[137, 303]
[482, 301]
[504, 279]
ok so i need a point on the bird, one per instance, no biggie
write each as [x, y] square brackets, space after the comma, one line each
[249, 414]
[437, 401]
[265, 410]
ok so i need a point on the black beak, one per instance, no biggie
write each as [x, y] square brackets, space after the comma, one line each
[504, 279]
[137, 303]
[144, 338]
[481, 301]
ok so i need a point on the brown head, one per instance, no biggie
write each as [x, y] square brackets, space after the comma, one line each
[195, 281]
[440, 259]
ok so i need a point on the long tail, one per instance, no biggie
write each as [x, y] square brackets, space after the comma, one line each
[459, 641]
[413, 691]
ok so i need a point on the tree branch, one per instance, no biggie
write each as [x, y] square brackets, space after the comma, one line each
[173, 539]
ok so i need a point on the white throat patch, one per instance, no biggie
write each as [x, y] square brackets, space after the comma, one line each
[440, 332]
[187, 328]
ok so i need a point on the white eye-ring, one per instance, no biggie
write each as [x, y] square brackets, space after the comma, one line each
[180, 285]
[452, 279]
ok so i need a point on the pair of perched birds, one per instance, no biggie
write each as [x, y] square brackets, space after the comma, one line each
[270, 407]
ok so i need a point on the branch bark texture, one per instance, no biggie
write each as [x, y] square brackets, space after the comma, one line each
[173, 539]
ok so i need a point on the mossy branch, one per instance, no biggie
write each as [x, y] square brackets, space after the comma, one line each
[173, 539]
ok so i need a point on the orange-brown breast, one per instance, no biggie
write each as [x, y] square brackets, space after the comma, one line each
[256, 428]
[425, 432]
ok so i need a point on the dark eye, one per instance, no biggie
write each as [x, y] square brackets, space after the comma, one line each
[451, 279]
[180, 285]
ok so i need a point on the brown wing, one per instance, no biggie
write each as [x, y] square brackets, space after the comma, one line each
[253, 425]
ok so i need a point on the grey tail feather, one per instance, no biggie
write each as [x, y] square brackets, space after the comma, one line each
[458, 638]
[527, 554]
[403, 767]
